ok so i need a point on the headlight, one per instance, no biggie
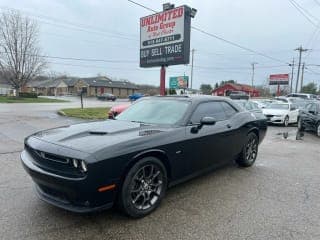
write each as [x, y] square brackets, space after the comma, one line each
[75, 163]
[83, 166]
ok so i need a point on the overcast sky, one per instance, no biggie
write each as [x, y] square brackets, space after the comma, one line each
[105, 29]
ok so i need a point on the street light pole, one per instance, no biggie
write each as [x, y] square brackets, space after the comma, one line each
[252, 78]
[292, 69]
[300, 49]
[192, 56]
[302, 73]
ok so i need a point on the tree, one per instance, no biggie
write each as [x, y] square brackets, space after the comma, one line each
[20, 58]
[206, 89]
[309, 88]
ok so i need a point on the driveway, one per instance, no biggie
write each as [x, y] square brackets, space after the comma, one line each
[277, 198]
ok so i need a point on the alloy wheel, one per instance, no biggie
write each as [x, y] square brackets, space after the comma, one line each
[299, 124]
[251, 149]
[146, 187]
[286, 121]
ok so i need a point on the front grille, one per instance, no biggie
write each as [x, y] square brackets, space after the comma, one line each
[53, 163]
[269, 116]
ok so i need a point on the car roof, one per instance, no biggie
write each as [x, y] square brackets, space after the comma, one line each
[193, 98]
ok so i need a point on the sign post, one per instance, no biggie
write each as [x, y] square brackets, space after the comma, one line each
[279, 79]
[165, 39]
[163, 80]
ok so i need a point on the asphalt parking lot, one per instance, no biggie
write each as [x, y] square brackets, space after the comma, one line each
[277, 198]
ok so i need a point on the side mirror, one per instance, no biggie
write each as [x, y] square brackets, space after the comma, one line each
[203, 121]
[208, 121]
[312, 112]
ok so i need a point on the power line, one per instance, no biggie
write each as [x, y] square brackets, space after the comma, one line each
[236, 44]
[80, 59]
[73, 26]
[218, 37]
[296, 6]
[143, 6]
[306, 11]
[316, 1]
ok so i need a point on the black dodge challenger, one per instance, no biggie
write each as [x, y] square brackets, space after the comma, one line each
[131, 161]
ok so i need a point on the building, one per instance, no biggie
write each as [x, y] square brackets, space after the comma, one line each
[5, 87]
[227, 88]
[88, 86]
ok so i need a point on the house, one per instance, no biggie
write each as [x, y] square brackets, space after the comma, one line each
[88, 86]
[227, 88]
[100, 85]
[50, 87]
[5, 87]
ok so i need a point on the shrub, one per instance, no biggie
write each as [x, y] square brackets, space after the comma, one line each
[28, 95]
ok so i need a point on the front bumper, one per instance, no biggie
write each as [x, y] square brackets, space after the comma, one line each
[76, 194]
[275, 119]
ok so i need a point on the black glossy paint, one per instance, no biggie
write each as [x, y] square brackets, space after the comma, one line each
[310, 116]
[111, 147]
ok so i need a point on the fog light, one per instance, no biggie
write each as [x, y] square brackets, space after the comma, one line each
[75, 163]
[84, 166]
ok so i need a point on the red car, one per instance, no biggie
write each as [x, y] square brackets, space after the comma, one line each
[116, 110]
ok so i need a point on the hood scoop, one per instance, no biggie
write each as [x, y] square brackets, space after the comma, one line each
[149, 132]
[98, 133]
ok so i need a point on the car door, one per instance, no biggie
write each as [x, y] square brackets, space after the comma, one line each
[209, 146]
[311, 116]
[293, 113]
[308, 116]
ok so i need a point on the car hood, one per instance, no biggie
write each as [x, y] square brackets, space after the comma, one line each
[274, 111]
[94, 136]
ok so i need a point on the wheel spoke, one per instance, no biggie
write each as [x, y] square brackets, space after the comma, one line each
[146, 186]
[137, 197]
[155, 175]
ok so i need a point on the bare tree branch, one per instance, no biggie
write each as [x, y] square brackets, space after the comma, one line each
[20, 58]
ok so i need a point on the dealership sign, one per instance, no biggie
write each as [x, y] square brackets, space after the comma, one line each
[279, 79]
[165, 38]
[178, 82]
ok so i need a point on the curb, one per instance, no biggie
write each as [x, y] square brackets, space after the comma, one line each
[61, 113]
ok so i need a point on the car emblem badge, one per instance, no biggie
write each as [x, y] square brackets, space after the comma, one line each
[42, 154]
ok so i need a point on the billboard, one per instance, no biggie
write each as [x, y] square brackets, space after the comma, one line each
[165, 38]
[178, 82]
[279, 79]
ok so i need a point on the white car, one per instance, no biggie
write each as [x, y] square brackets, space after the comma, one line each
[281, 113]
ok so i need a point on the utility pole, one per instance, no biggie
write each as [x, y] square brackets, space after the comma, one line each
[300, 49]
[303, 66]
[252, 78]
[192, 56]
[292, 69]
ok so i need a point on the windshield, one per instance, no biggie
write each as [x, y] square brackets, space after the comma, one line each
[155, 111]
[278, 106]
[241, 103]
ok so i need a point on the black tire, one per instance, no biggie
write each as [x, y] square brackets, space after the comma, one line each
[318, 129]
[286, 121]
[249, 152]
[300, 125]
[140, 195]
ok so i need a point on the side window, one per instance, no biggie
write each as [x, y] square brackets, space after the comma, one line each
[229, 110]
[308, 106]
[313, 108]
[208, 109]
[255, 105]
[249, 106]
